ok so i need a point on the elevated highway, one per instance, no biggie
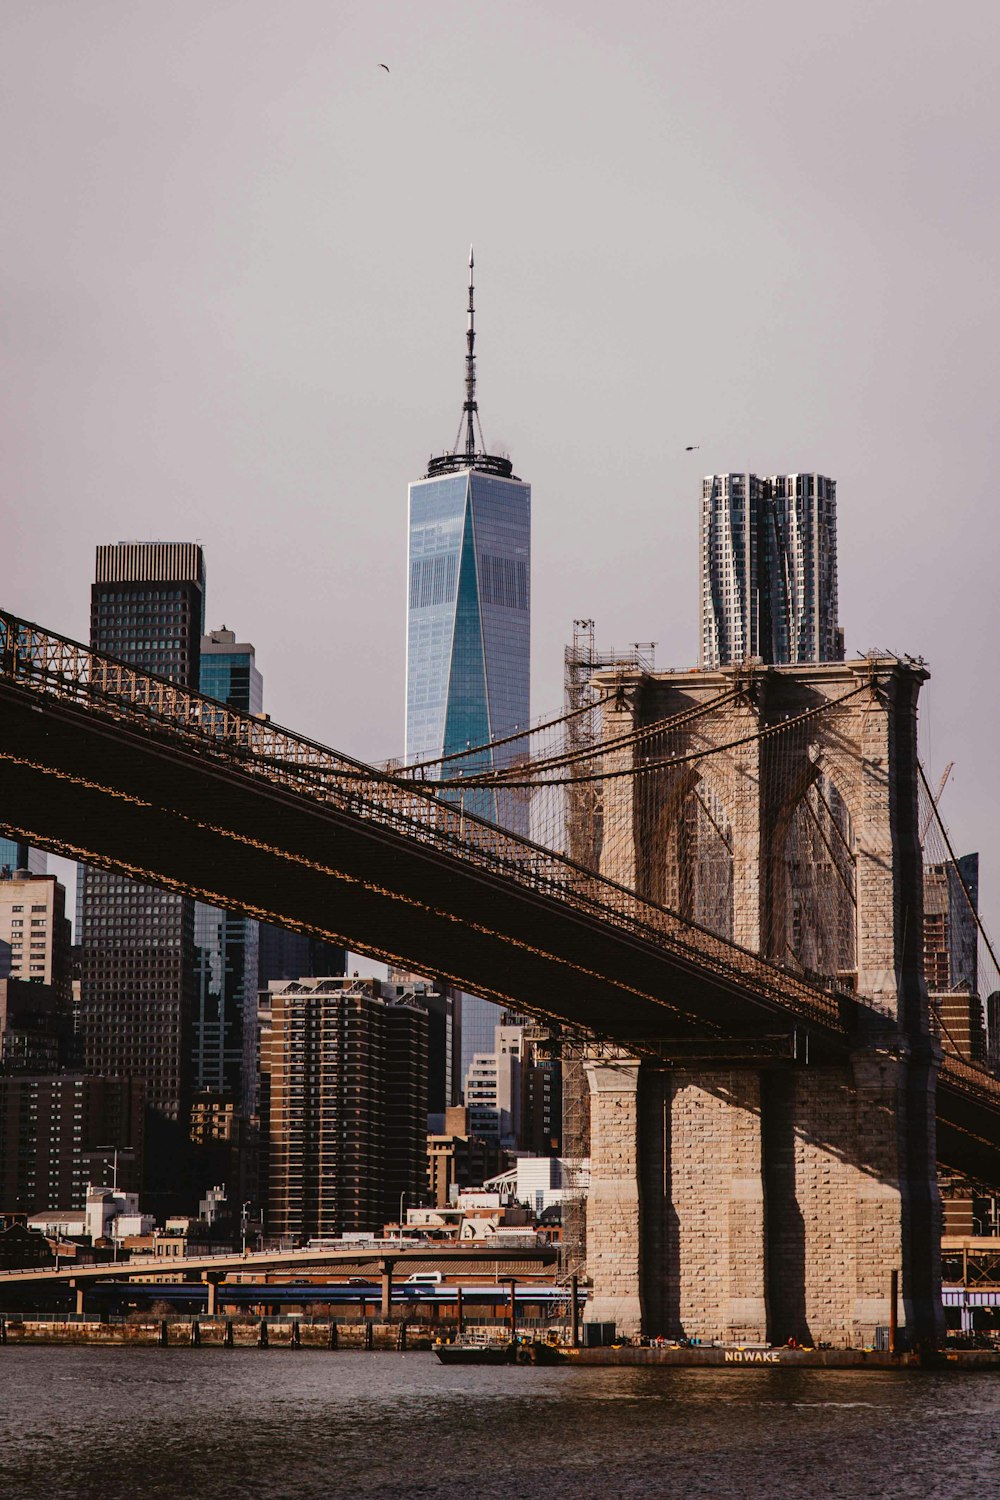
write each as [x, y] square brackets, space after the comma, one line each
[401, 1260]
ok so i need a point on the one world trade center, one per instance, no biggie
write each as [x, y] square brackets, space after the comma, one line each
[468, 618]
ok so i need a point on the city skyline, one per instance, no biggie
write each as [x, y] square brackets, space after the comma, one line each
[243, 358]
[726, 865]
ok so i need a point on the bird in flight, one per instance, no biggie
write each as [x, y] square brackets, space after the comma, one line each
[692, 448]
[384, 65]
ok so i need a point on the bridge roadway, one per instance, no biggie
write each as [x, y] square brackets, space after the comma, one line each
[276, 1260]
[130, 773]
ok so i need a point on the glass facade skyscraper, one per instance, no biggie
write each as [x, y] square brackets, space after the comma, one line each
[468, 636]
[468, 621]
[137, 947]
[469, 617]
[769, 569]
[229, 672]
[225, 1017]
[15, 854]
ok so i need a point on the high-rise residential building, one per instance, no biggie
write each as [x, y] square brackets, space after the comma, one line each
[493, 1086]
[406, 1024]
[36, 991]
[16, 854]
[344, 1068]
[59, 1133]
[468, 623]
[541, 1097]
[33, 921]
[769, 569]
[137, 943]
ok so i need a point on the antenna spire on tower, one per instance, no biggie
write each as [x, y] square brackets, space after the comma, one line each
[471, 409]
[470, 454]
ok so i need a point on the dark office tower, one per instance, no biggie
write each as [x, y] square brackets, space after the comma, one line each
[291, 955]
[225, 1019]
[137, 950]
[468, 646]
[541, 1097]
[59, 1133]
[443, 1004]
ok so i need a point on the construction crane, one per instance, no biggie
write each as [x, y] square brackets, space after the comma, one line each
[936, 799]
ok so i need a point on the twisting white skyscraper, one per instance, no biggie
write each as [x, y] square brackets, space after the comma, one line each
[769, 569]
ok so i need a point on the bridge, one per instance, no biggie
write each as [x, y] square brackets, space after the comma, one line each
[132, 773]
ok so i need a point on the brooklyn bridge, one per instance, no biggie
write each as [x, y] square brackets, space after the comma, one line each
[713, 900]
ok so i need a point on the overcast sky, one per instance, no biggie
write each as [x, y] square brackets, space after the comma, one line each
[233, 279]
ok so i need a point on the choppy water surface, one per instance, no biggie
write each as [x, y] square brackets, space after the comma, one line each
[218, 1424]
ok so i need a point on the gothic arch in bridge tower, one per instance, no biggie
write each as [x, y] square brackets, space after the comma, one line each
[690, 868]
[811, 905]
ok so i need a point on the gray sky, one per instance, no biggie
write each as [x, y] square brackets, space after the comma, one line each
[233, 302]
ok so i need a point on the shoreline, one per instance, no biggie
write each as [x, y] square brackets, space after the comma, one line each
[294, 1334]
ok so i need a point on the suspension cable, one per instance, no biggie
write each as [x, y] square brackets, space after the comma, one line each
[506, 780]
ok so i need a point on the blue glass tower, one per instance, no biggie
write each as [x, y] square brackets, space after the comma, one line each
[15, 854]
[468, 626]
[229, 672]
[469, 619]
[225, 1018]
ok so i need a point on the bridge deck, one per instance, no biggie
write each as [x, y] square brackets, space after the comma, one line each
[266, 823]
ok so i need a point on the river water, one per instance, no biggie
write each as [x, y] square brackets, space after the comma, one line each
[302, 1425]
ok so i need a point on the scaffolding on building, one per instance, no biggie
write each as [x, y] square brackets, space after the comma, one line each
[584, 826]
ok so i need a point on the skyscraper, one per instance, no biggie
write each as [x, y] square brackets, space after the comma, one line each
[33, 920]
[15, 854]
[769, 569]
[344, 1073]
[294, 955]
[137, 951]
[468, 621]
[229, 672]
[225, 1019]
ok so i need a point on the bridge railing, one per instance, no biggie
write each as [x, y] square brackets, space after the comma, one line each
[61, 668]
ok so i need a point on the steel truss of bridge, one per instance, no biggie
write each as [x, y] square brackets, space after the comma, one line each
[131, 773]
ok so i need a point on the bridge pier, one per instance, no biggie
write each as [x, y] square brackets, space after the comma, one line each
[211, 1281]
[614, 1229]
[386, 1268]
[702, 1191]
[77, 1288]
[751, 1204]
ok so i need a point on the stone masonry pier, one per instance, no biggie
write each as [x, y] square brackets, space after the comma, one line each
[750, 1199]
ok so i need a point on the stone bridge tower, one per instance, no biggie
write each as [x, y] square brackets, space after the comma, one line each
[740, 1199]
